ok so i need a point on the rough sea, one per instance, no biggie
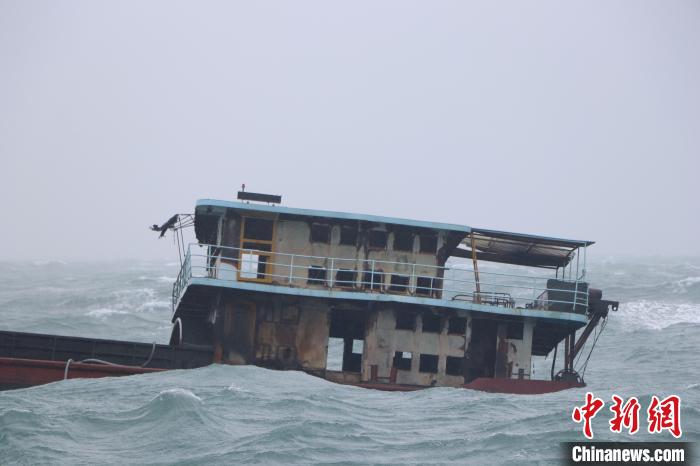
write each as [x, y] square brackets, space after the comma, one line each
[236, 415]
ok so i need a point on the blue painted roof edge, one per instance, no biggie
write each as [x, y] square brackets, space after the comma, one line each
[330, 214]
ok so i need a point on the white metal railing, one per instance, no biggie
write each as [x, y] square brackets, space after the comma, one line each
[455, 283]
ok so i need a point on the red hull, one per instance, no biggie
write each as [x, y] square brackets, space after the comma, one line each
[512, 386]
[521, 387]
[18, 373]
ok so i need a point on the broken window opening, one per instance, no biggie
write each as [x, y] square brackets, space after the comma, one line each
[348, 236]
[424, 286]
[403, 240]
[428, 363]
[405, 321]
[345, 277]
[428, 243]
[457, 326]
[399, 283]
[320, 233]
[431, 323]
[515, 331]
[317, 275]
[258, 228]
[256, 236]
[254, 263]
[454, 365]
[373, 280]
[402, 360]
[377, 239]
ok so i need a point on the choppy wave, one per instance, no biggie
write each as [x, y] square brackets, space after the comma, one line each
[235, 415]
[656, 315]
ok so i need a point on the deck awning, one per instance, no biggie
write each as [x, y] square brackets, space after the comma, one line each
[519, 249]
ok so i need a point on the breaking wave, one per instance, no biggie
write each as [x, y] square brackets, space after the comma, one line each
[656, 315]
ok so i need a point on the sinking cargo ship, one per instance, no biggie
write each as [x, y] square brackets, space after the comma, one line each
[376, 302]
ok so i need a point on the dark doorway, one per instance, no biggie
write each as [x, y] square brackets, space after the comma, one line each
[481, 357]
[350, 326]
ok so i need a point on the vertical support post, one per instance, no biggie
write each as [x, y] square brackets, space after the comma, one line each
[476, 270]
[291, 269]
[572, 341]
[371, 277]
[330, 277]
[412, 281]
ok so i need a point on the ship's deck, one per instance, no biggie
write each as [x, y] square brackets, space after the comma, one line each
[450, 288]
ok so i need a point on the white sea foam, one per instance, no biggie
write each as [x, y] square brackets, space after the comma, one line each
[235, 388]
[683, 285]
[128, 293]
[656, 315]
[162, 278]
[153, 305]
[178, 393]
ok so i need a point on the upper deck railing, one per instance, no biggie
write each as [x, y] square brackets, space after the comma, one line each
[450, 283]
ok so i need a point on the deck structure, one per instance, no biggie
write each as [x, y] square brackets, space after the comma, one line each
[376, 302]
[404, 301]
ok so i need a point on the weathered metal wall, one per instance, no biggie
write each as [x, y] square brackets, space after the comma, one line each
[383, 340]
[275, 332]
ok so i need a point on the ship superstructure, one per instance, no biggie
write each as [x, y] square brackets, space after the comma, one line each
[403, 300]
[372, 301]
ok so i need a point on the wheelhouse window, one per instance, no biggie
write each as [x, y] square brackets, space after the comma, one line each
[348, 236]
[320, 233]
[403, 240]
[256, 249]
[377, 239]
[317, 275]
[428, 243]
[345, 277]
[257, 228]
[424, 286]
[373, 280]
[399, 283]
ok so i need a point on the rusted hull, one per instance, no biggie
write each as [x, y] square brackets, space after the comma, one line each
[512, 386]
[21, 373]
[521, 387]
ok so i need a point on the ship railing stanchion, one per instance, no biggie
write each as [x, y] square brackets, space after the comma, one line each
[291, 269]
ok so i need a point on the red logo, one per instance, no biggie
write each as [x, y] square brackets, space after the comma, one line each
[665, 415]
[661, 414]
[626, 416]
[587, 412]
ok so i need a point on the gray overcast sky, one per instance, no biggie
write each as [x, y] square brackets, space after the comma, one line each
[573, 119]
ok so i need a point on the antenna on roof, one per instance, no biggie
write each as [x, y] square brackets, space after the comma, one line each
[258, 197]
